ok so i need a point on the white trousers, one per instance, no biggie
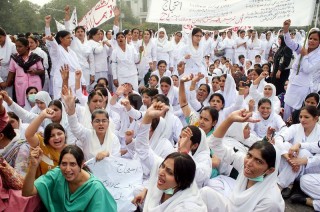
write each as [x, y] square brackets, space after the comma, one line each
[310, 185]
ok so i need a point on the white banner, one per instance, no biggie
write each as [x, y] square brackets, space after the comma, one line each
[187, 28]
[232, 12]
[121, 177]
[99, 14]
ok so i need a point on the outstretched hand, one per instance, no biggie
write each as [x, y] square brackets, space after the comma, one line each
[68, 99]
[64, 71]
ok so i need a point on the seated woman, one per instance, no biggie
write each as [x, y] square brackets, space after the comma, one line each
[170, 188]
[67, 187]
[309, 182]
[256, 186]
[295, 162]
[216, 101]
[268, 92]
[99, 140]
[51, 143]
[312, 99]
[268, 119]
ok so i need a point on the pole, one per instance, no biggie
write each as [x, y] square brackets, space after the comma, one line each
[317, 14]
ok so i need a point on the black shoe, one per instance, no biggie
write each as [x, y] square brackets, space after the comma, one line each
[286, 193]
[298, 199]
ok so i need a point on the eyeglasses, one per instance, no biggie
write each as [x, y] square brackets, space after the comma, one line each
[98, 121]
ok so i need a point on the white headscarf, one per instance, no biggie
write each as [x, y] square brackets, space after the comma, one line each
[6, 54]
[243, 199]
[157, 140]
[171, 93]
[230, 92]
[163, 42]
[189, 198]
[44, 97]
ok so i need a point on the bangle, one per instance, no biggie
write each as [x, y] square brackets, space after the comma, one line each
[184, 105]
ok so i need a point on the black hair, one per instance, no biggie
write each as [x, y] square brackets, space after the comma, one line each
[56, 103]
[196, 134]
[75, 151]
[166, 80]
[151, 92]
[92, 32]
[79, 27]
[257, 56]
[196, 30]
[126, 32]
[8, 132]
[155, 123]
[92, 94]
[213, 112]
[220, 97]
[34, 38]
[120, 33]
[2, 32]
[135, 101]
[102, 90]
[314, 95]
[162, 61]
[13, 116]
[155, 76]
[312, 110]
[48, 130]
[241, 56]
[264, 100]
[99, 111]
[215, 77]
[207, 87]
[268, 152]
[314, 32]
[184, 169]
[104, 79]
[24, 41]
[61, 34]
[178, 33]
[258, 70]
[30, 88]
[135, 29]
[161, 98]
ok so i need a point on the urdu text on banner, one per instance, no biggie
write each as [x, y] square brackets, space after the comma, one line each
[99, 14]
[263, 13]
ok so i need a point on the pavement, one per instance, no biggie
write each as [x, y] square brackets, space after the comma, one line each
[296, 207]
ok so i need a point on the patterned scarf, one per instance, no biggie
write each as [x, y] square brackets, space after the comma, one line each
[33, 59]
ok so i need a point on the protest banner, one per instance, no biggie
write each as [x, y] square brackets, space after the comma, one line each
[120, 176]
[99, 14]
[232, 12]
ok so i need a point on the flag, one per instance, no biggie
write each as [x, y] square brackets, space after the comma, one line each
[73, 20]
[60, 26]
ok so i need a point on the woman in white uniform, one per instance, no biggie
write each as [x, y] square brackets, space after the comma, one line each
[124, 58]
[7, 48]
[170, 187]
[256, 186]
[296, 162]
[61, 54]
[301, 77]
